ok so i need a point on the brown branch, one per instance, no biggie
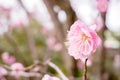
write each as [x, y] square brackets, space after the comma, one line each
[58, 70]
[59, 33]
[57, 24]
[103, 50]
[85, 70]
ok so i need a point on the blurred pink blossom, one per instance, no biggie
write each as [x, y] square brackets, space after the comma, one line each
[7, 58]
[47, 77]
[99, 23]
[80, 63]
[18, 20]
[3, 24]
[45, 31]
[51, 41]
[3, 71]
[82, 41]
[17, 70]
[117, 61]
[102, 5]
[57, 47]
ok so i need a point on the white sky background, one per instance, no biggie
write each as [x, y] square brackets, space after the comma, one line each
[113, 16]
[85, 10]
[40, 12]
[36, 7]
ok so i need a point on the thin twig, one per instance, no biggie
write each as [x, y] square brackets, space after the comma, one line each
[34, 65]
[60, 34]
[5, 66]
[58, 70]
[85, 70]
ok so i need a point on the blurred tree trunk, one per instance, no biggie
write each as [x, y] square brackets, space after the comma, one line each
[60, 34]
[29, 32]
[71, 17]
[103, 74]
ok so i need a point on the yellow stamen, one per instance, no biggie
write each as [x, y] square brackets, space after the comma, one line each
[84, 37]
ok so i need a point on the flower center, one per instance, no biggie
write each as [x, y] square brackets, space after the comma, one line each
[84, 37]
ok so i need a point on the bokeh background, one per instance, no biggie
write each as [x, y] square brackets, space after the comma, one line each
[36, 30]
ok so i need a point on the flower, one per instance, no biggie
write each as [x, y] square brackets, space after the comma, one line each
[82, 41]
[102, 5]
[3, 71]
[7, 58]
[47, 77]
[17, 70]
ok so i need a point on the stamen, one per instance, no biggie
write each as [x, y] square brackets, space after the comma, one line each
[84, 37]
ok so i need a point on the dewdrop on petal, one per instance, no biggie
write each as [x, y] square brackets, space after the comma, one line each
[82, 41]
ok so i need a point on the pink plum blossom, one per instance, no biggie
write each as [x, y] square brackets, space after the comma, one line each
[102, 5]
[82, 41]
[47, 77]
[7, 58]
[17, 70]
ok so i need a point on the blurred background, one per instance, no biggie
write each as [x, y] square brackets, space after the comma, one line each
[36, 30]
